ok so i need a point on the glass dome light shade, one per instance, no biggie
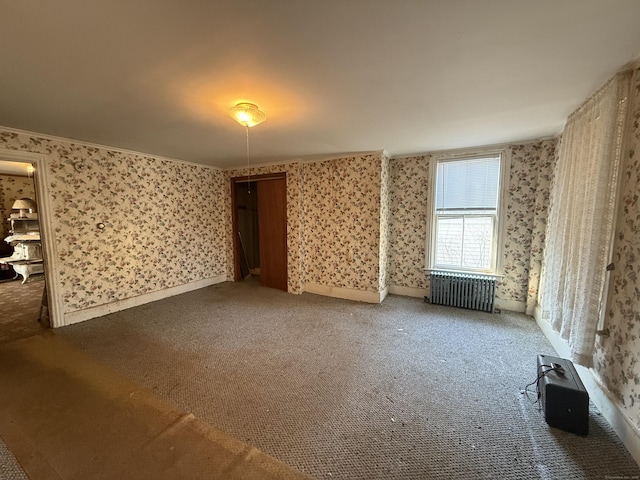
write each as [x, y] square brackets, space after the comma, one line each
[247, 114]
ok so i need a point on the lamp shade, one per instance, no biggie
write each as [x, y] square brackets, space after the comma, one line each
[24, 204]
[247, 114]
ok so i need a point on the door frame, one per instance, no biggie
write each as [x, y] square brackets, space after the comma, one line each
[235, 181]
[45, 217]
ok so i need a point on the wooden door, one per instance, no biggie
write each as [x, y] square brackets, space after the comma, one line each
[272, 228]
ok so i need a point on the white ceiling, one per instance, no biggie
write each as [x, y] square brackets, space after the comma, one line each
[333, 76]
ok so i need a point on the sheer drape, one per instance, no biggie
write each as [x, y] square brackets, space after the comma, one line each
[582, 204]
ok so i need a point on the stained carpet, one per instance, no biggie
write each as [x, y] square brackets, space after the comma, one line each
[67, 417]
[340, 389]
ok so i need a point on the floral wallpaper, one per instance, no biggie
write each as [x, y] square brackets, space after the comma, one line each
[548, 157]
[531, 166]
[336, 230]
[164, 220]
[385, 220]
[357, 222]
[13, 187]
[295, 260]
[167, 223]
[408, 207]
[526, 213]
[342, 199]
[617, 357]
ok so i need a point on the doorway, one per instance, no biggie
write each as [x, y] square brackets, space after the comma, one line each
[259, 206]
[22, 282]
[52, 306]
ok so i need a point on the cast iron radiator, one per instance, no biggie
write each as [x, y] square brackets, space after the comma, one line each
[475, 292]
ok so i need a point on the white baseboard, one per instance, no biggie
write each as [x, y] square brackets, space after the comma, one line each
[598, 393]
[511, 305]
[346, 293]
[383, 293]
[407, 291]
[100, 310]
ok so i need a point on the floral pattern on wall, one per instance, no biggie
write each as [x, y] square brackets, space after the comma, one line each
[385, 220]
[295, 260]
[526, 213]
[357, 222]
[408, 226]
[13, 187]
[335, 235]
[531, 166]
[164, 220]
[547, 161]
[342, 218]
[617, 357]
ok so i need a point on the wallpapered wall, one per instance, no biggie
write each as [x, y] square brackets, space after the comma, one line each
[526, 216]
[409, 200]
[334, 231]
[164, 220]
[357, 222]
[617, 358]
[531, 166]
[385, 220]
[13, 187]
[168, 223]
[342, 199]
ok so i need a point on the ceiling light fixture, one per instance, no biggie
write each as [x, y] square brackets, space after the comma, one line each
[247, 115]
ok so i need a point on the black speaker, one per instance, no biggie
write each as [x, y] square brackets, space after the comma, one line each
[565, 401]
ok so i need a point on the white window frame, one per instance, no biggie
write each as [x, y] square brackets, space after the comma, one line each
[499, 226]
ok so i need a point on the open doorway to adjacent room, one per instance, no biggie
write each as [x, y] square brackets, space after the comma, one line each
[259, 206]
[22, 280]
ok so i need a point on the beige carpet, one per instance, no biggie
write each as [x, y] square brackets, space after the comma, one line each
[340, 389]
[65, 416]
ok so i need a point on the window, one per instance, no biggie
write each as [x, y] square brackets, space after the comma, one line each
[465, 216]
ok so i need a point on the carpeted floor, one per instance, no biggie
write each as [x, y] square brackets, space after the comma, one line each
[19, 308]
[66, 416]
[339, 389]
[10, 469]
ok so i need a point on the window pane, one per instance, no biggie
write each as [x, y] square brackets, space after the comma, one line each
[468, 184]
[478, 239]
[449, 241]
[465, 213]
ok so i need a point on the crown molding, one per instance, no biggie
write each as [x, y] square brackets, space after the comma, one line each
[103, 147]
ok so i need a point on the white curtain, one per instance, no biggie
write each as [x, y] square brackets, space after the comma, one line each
[581, 217]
